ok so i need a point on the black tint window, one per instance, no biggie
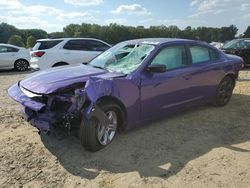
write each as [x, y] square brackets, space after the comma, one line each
[199, 54]
[10, 49]
[97, 46]
[4, 49]
[213, 54]
[47, 44]
[172, 57]
[76, 45]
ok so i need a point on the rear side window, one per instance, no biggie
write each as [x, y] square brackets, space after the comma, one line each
[97, 46]
[76, 45]
[199, 54]
[44, 45]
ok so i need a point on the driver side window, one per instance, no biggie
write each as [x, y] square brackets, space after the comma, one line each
[173, 57]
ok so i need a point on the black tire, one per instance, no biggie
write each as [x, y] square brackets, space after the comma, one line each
[89, 129]
[21, 65]
[224, 91]
[60, 64]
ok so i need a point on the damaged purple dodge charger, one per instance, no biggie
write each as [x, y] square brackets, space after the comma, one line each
[130, 83]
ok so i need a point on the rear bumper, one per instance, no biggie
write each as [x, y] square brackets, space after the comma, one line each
[34, 67]
[39, 63]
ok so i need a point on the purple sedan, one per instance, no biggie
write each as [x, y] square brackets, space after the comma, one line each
[129, 84]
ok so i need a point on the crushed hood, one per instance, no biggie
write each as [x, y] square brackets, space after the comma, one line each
[49, 81]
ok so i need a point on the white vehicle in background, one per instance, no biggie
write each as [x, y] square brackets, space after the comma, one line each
[218, 45]
[14, 57]
[49, 53]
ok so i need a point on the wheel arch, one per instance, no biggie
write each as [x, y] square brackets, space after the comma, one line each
[123, 111]
[60, 63]
[233, 76]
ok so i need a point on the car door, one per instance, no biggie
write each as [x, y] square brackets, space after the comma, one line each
[7, 56]
[173, 88]
[206, 72]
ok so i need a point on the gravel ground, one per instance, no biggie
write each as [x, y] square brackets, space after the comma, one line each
[202, 147]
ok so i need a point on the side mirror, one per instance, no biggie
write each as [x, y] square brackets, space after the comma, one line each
[157, 68]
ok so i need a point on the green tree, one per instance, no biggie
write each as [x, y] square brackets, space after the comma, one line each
[37, 33]
[6, 31]
[70, 29]
[55, 35]
[31, 41]
[228, 33]
[247, 32]
[16, 40]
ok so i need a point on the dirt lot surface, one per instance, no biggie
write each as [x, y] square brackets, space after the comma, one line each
[202, 147]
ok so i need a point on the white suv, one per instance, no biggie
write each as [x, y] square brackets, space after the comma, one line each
[49, 53]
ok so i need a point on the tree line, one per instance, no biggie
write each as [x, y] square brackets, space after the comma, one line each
[114, 33]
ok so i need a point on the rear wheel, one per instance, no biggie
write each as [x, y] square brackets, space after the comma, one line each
[224, 91]
[94, 135]
[21, 65]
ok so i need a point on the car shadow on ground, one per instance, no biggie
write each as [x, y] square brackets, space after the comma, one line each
[4, 72]
[163, 148]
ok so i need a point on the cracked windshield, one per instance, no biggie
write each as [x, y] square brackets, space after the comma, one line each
[123, 58]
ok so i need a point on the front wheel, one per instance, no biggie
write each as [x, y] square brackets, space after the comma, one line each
[94, 134]
[224, 91]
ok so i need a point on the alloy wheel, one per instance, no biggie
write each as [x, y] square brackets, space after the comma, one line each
[105, 134]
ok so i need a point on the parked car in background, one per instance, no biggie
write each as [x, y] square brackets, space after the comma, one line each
[217, 44]
[49, 53]
[132, 82]
[14, 57]
[239, 47]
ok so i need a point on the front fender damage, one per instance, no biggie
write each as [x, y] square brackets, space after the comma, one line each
[84, 103]
[96, 88]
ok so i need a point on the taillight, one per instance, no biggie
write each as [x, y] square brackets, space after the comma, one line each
[38, 54]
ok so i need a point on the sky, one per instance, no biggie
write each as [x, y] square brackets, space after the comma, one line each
[53, 15]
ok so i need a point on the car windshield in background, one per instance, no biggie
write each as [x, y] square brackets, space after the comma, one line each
[238, 44]
[43, 45]
[124, 58]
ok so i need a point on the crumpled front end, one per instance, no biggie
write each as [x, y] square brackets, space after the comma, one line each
[45, 112]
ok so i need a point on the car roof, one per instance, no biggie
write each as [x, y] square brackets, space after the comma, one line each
[157, 41]
[68, 39]
[10, 45]
[63, 39]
